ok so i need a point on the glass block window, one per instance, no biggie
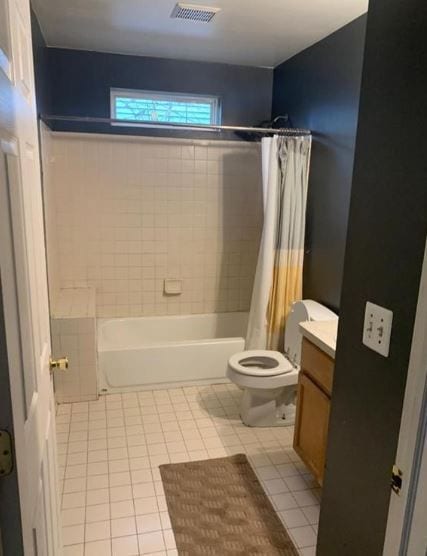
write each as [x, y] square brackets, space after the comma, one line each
[151, 107]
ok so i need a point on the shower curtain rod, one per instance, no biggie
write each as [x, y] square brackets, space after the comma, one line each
[294, 132]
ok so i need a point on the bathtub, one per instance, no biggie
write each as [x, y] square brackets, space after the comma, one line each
[147, 352]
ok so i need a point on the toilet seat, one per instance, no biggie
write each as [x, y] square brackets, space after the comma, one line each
[260, 363]
[269, 379]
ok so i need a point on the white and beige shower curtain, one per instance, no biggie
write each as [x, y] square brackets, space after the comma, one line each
[278, 279]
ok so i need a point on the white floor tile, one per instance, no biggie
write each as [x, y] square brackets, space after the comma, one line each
[293, 518]
[76, 459]
[74, 485]
[149, 523]
[296, 483]
[73, 500]
[73, 534]
[136, 440]
[100, 512]
[76, 471]
[284, 501]
[119, 493]
[98, 548]
[96, 456]
[97, 482]
[141, 476]
[110, 452]
[165, 519]
[125, 546]
[73, 550]
[123, 527]
[305, 498]
[303, 536]
[287, 470]
[310, 551]
[98, 496]
[125, 508]
[155, 461]
[97, 531]
[73, 516]
[275, 486]
[267, 472]
[117, 442]
[161, 503]
[119, 479]
[143, 490]
[98, 468]
[117, 453]
[139, 463]
[145, 506]
[151, 542]
[169, 539]
[312, 514]
[118, 466]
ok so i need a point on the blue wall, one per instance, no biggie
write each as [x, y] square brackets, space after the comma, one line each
[80, 83]
[41, 73]
[319, 88]
[384, 253]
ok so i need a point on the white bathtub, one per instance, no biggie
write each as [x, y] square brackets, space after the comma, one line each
[147, 352]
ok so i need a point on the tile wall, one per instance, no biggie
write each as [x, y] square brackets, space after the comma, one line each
[49, 212]
[73, 326]
[131, 212]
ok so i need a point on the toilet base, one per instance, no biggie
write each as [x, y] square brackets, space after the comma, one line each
[268, 407]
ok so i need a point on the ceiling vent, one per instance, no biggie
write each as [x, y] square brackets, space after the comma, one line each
[192, 12]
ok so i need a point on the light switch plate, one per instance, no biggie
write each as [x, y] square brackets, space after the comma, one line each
[377, 328]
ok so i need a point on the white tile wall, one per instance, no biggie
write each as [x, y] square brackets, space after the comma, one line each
[49, 212]
[74, 303]
[131, 212]
[73, 326]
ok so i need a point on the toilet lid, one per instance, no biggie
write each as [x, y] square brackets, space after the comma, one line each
[260, 363]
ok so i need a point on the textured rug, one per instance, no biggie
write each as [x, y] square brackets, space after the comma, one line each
[218, 506]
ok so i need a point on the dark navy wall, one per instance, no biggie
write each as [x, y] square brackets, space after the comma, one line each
[319, 88]
[385, 247]
[41, 73]
[80, 83]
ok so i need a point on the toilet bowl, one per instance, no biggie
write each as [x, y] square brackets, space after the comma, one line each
[268, 377]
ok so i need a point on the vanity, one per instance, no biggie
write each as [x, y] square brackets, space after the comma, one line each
[314, 393]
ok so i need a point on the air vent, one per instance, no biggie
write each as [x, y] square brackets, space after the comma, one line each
[192, 12]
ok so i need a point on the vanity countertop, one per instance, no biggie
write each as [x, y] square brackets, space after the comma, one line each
[323, 334]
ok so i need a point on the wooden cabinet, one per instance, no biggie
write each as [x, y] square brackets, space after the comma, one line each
[313, 404]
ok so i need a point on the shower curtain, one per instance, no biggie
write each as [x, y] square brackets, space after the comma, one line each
[278, 278]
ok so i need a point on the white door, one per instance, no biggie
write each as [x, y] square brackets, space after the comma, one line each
[406, 526]
[24, 286]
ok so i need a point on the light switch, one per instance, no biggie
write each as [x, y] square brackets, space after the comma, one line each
[377, 328]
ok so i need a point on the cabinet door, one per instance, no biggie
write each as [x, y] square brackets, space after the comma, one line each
[311, 426]
[317, 365]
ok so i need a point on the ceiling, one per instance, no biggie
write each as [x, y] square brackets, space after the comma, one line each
[248, 32]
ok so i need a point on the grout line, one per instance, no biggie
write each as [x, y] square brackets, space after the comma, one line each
[249, 441]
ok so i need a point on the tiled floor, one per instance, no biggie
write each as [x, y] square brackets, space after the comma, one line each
[109, 452]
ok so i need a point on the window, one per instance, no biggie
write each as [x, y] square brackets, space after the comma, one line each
[151, 107]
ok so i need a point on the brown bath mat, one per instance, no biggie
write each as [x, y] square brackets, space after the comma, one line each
[218, 507]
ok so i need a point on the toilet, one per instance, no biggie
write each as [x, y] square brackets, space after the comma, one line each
[269, 378]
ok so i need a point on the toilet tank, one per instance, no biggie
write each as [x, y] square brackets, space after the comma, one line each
[302, 311]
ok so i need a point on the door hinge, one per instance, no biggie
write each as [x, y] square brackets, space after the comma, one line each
[6, 459]
[396, 479]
